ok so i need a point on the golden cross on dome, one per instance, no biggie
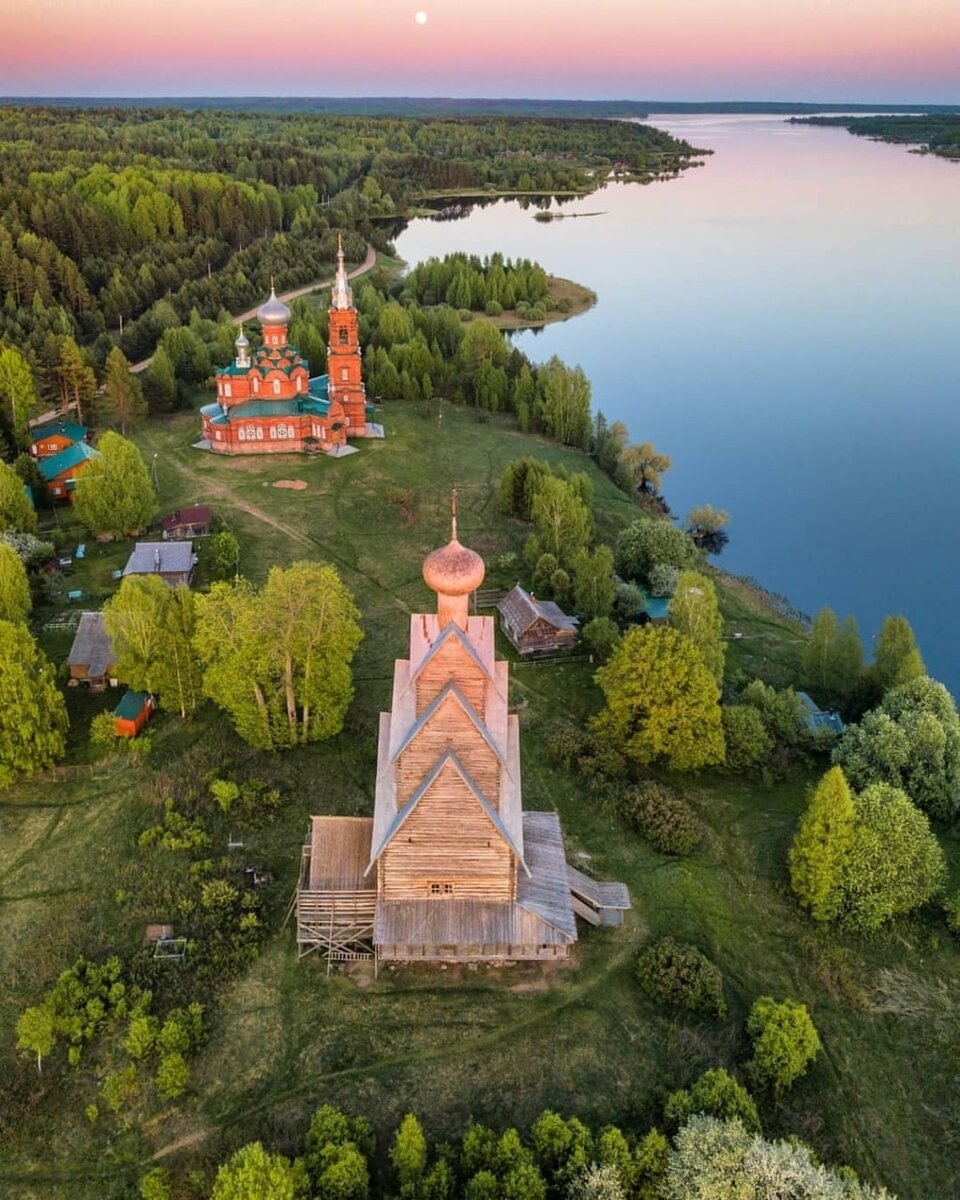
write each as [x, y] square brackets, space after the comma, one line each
[453, 514]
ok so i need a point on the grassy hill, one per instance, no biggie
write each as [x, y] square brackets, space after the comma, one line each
[497, 1044]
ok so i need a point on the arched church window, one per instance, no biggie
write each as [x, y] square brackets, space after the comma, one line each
[252, 433]
[227, 389]
[256, 384]
[299, 383]
[276, 387]
[344, 374]
[344, 335]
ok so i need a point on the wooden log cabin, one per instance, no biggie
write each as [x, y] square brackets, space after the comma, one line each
[450, 868]
[535, 626]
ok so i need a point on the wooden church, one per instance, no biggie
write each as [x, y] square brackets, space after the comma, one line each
[450, 867]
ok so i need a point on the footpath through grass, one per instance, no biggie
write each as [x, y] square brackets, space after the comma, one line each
[497, 1044]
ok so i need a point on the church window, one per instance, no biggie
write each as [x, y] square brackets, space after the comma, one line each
[218, 435]
[299, 383]
[346, 420]
[241, 435]
[276, 387]
[256, 384]
[260, 433]
[343, 335]
[227, 390]
[440, 888]
[344, 374]
[273, 431]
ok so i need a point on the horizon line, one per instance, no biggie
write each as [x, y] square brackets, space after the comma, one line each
[20, 96]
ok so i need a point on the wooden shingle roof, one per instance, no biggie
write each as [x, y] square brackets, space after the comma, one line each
[519, 609]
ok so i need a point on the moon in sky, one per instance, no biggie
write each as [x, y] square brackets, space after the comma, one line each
[420, 17]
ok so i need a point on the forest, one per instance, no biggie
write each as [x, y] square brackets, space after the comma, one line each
[117, 222]
[937, 132]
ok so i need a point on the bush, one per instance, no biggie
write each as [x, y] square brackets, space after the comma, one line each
[493, 308]
[663, 816]
[678, 974]
[748, 741]
[715, 1094]
[600, 636]
[567, 744]
[663, 579]
[951, 908]
[785, 1041]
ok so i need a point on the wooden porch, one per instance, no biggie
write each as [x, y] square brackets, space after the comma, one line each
[335, 902]
[598, 903]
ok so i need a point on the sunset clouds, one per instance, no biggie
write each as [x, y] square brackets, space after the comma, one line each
[882, 50]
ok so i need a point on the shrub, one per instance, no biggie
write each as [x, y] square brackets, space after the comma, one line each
[567, 744]
[785, 1041]
[103, 730]
[600, 636]
[172, 1076]
[493, 308]
[715, 1094]
[155, 1185]
[663, 579]
[663, 816]
[678, 974]
[748, 741]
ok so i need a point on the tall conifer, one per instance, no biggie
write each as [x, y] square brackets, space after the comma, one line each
[821, 846]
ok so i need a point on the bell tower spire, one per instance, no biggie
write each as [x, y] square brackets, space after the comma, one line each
[342, 296]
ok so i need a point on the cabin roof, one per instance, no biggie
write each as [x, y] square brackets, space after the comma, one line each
[68, 458]
[453, 922]
[521, 609]
[817, 718]
[131, 705]
[448, 756]
[200, 514]
[449, 689]
[71, 429]
[160, 558]
[91, 647]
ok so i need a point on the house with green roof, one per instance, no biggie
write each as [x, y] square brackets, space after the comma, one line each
[59, 472]
[53, 437]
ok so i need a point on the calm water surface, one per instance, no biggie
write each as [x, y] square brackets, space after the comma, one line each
[783, 322]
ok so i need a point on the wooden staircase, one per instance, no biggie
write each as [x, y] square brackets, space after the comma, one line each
[598, 903]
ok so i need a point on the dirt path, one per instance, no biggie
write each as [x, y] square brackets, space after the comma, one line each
[295, 294]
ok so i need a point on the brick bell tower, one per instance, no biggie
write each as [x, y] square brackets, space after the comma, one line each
[344, 361]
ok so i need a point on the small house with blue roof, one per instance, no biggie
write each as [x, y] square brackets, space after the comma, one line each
[55, 436]
[818, 720]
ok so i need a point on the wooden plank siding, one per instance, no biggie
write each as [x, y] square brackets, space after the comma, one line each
[453, 662]
[448, 837]
[449, 727]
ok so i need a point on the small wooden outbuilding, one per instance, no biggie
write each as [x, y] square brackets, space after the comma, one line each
[55, 436]
[172, 561]
[534, 626]
[132, 713]
[91, 659]
[187, 523]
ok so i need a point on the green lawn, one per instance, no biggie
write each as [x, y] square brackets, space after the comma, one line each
[497, 1044]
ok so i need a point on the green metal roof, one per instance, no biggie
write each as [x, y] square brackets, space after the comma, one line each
[264, 408]
[56, 464]
[131, 705]
[71, 429]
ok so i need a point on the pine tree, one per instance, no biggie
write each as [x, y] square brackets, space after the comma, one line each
[78, 383]
[821, 846]
[122, 391]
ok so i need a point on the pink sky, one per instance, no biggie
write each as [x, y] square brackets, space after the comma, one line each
[839, 50]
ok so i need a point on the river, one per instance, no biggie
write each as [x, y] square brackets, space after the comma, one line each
[783, 322]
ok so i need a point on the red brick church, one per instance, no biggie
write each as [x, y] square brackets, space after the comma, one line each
[267, 402]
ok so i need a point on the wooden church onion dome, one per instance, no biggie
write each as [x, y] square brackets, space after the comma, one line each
[454, 571]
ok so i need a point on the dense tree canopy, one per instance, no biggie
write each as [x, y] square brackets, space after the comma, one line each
[912, 741]
[662, 702]
[645, 543]
[694, 611]
[277, 659]
[114, 494]
[16, 512]
[33, 716]
[253, 1173]
[897, 659]
[14, 587]
[822, 845]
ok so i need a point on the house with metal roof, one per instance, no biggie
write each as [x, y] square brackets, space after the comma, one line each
[187, 523]
[132, 713]
[535, 626]
[91, 659]
[60, 471]
[817, 720]
[172, 561]
[54, 436]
